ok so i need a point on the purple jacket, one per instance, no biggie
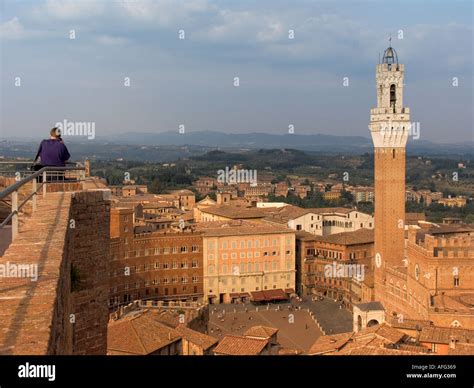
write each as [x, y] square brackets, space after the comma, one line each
[53, 153]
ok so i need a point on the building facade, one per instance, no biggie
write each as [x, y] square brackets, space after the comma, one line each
[243, 257]
[155, 266]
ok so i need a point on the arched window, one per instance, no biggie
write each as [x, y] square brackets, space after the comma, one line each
[393, 97]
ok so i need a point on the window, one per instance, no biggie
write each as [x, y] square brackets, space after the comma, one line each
[242, 244]
[184, 249]
[249, 244]
[175, 249]
[166, 266]
[234, 244]
[224, 255]
[175, 265]
[224, 245]
[166, 280]
[195, 264]
[210, 269]
[456, 281]
[393, 96]
[195, 278]
[184, 264]
[195, 248]
[174, 279]
[184, 279]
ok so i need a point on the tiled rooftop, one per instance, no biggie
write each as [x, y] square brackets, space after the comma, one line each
[240, 346]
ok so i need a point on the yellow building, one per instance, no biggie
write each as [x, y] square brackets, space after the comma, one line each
[241, 257]
[453, 202]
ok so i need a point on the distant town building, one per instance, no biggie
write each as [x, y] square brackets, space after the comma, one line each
[453, 202]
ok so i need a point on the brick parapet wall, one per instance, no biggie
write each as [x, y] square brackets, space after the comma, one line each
[35, 317]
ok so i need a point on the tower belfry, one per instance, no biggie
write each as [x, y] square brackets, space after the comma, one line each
[389, 128]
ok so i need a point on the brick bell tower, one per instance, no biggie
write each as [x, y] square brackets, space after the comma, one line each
[389, 127]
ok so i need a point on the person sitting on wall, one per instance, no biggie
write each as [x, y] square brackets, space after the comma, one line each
[52, 152]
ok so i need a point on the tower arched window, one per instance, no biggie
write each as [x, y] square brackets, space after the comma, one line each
[393, 97]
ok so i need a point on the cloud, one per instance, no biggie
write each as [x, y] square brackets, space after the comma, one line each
[13, 29]
[73, 9]
[163, 12]
[112, 40]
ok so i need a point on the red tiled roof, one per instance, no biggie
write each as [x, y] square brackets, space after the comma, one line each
[329, 343]
[240, 346]
[261, 332]
[202, 340]
[139, 334]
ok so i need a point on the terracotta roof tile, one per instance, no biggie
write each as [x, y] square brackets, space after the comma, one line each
[329, 343]
[202, 340]
[139, 334]
[443, 335]
[240, 346]
[261, 332]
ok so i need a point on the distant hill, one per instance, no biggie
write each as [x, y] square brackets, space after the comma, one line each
[169, 146]
[257, 140]
[245, 140]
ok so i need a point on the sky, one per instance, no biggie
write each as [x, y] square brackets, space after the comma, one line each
[127, 70]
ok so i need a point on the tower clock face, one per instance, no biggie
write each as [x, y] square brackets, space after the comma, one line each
[417, 271]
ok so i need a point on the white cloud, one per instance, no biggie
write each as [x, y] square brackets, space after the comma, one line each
[13, 29]
[73, 9]
[111, 40]
[164, 12]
